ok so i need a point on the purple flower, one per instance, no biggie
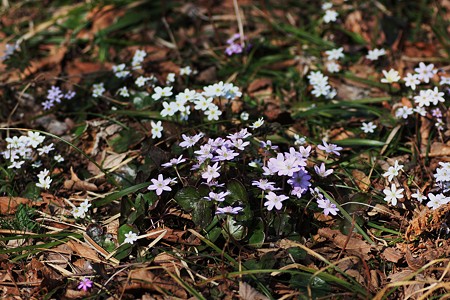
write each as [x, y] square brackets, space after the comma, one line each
[233, 49]
[300, 179]
[85, 284]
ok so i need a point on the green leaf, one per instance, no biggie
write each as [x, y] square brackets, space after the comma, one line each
[359, 142]
[187, 198]
[237, 191]
[202, 214]
[258, 236]
[231, 227]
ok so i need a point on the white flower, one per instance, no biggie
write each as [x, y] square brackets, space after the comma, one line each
[130, 237]
[375, 54]
[170, 78]
[411, 80]
[213, 113]
[257, 123]
[85, 205]
[77, 212]
[423, 99]
[35, 138]
[16, 164]
[58, 158]
[393, 194]
[123, 91]
[320, 90]
[444, 80]
[330, 16]
[436, 201]
[44, 182]
[419, 196]
[98, 90]
[368, 127]
[333, 67]
[215, 90]
[390, 76]
[169, 109]
[425, 73]
[45, 149]
[274, 200]
[157, 129]
[162, 92]
[141, 81]
[404, 112]
[335, 54]
[185, 71]
[327, 5]
[120, 71]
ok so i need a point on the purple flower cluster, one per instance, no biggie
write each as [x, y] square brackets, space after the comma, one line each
[234, 45]
[55, 95]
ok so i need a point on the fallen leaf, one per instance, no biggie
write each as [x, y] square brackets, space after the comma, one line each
[83, 250]
[353, 245]
[439, 149]
[112, 160]
[75, 184]
[392, 255]
[8, 205]
[361, 179]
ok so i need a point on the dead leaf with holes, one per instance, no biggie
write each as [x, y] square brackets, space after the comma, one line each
[76, 184]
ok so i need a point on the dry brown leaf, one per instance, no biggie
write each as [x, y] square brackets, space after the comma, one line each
[75, 184]
[247, 292]
[176, 236]
[113, 160]
[361, 179]
[353, 245]
[83, 250]
[392, 255]
[8, 205]
[439, 149]
[427, 221]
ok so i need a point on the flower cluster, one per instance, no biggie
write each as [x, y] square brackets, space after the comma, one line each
[333, 56]
[56, 95]
[234, 45]
[80, 211]
[320, 85]
[330, 14]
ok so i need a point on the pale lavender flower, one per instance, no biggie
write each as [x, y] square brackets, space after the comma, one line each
[321, 171]
[330, 148]
[328, 206]
[228, 210]
[159, 185]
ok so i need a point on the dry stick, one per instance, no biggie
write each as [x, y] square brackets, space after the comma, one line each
[172, 39]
